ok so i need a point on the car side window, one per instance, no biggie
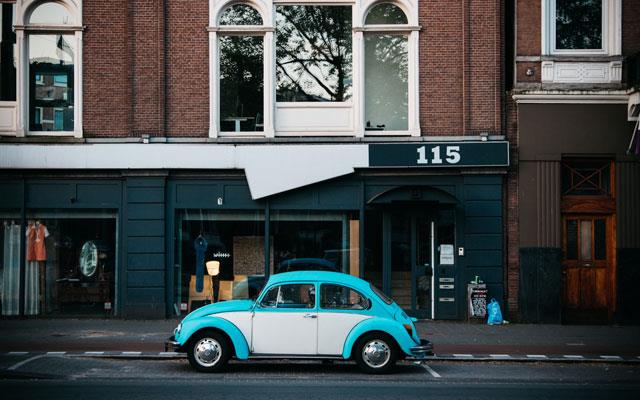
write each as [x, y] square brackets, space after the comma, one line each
[340, 297]
[290, 296]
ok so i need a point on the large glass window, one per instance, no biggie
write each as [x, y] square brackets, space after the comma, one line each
[10, 247]
[219, 256]
[7, 52]
[313, 53]
[241, 83]
[314, 241]
[578, 24]
[51, 89]
[70, 263]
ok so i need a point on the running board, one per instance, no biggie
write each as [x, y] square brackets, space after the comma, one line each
[297, 357]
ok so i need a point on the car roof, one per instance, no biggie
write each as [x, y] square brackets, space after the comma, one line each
[319, 276]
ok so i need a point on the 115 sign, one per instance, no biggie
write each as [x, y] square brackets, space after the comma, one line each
[435, 155]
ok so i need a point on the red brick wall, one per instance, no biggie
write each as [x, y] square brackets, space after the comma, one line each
[630, 27]
[106, 69]
[187, 68]
[460, 66]
[528, 33]
[511, 221]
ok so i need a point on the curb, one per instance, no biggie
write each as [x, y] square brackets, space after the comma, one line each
[563, 358]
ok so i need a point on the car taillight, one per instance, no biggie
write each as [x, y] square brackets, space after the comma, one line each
[409, 329]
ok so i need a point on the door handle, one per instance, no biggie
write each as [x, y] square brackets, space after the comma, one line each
[310, 316]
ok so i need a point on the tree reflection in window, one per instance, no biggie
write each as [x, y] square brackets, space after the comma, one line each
[578, 24]
[313, 53]
[240, 14]
[386, 14]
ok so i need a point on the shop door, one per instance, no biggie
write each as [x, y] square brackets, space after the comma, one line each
[408, 258]
[588, 268]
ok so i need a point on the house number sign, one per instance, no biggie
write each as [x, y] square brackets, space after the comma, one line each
[440, 154]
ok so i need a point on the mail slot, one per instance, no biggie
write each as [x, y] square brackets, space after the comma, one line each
[446, 286]
[447, 299]
[445, 280]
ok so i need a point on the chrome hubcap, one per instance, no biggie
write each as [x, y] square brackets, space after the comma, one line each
[207, 352]
[376, 353]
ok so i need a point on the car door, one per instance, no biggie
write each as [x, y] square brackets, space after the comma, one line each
[285, 321]
[341, 309]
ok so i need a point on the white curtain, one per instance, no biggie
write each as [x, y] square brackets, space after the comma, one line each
[31, 288]
[11, 270]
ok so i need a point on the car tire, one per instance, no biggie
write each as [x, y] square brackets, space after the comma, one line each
[209, 351]
[375, 353]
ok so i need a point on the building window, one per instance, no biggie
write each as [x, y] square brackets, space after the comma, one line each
[386, 71]
[313, 53]
[578, 24]
[7, 52]
[325, 68]
[586, 178]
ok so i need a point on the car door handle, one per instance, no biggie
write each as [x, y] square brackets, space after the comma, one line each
[310, 316]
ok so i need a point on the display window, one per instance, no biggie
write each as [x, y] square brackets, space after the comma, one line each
[219, 256]
[11, 240]
[70, 263]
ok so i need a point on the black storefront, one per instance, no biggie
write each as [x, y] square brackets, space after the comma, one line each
[127, 244]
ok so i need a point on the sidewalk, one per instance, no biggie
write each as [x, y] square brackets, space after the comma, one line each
[451, 338]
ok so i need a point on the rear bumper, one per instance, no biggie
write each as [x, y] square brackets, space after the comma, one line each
[424, 349]
[171, 345]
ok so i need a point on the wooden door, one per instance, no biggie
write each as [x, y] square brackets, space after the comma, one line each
[588, 249]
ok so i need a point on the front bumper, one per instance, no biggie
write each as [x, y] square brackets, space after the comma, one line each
[171, 345]
[424, 349]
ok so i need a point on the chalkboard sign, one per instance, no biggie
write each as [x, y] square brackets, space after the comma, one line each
[477, 295]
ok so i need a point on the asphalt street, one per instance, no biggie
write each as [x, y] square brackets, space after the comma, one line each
[50, 376]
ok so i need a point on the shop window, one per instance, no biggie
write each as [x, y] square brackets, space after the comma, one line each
[11, 240]
[70, 266]
[240, 14]
[313, 241]
[313, 53]
[219, 256]
[586, 177]
[386, 72]
[7, 52]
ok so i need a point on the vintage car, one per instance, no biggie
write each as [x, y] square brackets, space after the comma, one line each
[350, 319]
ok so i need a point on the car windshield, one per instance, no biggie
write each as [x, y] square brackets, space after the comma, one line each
[381, 294]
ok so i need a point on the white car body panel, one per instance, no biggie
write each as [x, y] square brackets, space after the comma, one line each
[241, 319]
[333, 328]
[284, 332]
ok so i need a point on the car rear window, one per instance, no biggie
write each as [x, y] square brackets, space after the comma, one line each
[381, 294]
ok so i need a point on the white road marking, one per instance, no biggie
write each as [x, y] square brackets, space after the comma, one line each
[94, 353]
[572, 356]
[536, 356]
[611, 357]
[131, 353]
[431, 371]
[23, 362]
[24, 353]
[575, 344]
[463, 355]
[167, 353]
[499, 356]
[56, 353]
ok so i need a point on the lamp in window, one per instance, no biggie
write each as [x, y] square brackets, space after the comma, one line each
[213, 269]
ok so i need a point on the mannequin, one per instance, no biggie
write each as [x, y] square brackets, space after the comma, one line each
[36, 234]
[200, 245]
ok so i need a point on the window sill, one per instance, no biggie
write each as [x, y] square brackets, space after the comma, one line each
[581, 71]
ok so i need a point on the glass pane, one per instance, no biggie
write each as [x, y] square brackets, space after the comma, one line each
[341, 298]
[373, 248]
[7, 52]
[600, 229]
[386, 13]
[313, 53]
[241, 83]
[271, 298]
[578, 24]
[70, 263]
[313, 241]
[401, 260]
[240, 14]
[423, 268]
[572, 240]
[51, 67]
[386, 82]
[297, 296]
[586, 177]
[586, 240]
[11, 239]
[51, 14]
[235, 240]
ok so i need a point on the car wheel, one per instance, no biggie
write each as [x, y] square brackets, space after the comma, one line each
[208, 351]
[376, 353]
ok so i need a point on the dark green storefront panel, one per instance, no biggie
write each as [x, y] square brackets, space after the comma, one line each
[12, 193]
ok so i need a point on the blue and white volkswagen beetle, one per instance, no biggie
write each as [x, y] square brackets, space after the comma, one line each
[349, 319]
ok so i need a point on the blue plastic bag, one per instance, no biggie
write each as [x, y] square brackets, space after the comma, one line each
[494, 313]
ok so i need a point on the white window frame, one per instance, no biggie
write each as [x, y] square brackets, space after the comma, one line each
[352, 110]
[611, 31]
[24, 8]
